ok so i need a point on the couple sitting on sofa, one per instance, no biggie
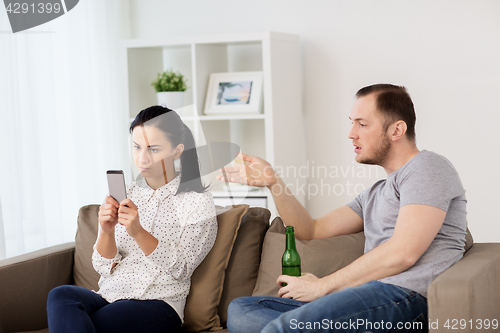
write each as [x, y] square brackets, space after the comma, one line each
[414, 223]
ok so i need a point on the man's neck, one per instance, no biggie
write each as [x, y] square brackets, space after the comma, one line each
[398, 157]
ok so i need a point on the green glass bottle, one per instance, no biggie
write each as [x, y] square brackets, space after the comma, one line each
[290, 263]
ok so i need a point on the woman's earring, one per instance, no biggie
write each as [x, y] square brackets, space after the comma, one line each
[177, 164]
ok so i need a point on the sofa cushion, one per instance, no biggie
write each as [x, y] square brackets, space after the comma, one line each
[319, 256]
[243, 267]
[469, 241]
[88, 223]
[207, 281]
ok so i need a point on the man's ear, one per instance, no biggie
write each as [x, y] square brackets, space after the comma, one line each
[398, 130]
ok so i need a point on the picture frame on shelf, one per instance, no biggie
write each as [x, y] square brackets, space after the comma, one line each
[234, 93]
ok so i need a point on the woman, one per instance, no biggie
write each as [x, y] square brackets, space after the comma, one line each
[150, 243]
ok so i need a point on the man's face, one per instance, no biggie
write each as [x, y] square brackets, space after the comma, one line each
[372, 143]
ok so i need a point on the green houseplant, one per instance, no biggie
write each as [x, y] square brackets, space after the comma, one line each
[169, 81]
[170, 87]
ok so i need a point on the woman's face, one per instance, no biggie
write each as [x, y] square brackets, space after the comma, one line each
[149, 147]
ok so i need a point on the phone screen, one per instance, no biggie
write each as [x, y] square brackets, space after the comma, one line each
[116, 185]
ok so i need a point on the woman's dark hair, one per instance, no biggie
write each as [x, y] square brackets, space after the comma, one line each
[176, 132]
[394, 103]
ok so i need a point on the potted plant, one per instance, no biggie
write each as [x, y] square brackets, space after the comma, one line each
[170, 87]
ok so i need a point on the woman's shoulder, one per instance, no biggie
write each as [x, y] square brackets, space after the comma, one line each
[198, 196]
[200, 204]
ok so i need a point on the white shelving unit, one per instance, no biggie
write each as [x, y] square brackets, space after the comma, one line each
[275, 135]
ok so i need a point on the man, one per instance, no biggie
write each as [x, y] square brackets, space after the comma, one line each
[414, 222]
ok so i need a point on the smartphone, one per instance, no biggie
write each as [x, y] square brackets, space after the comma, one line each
[116, 185]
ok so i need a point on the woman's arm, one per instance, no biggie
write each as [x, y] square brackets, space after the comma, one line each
[105, 254]
[146, 241]
[106, 244]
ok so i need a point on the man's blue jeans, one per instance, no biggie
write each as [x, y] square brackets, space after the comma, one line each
[371, 307]
[78, 310]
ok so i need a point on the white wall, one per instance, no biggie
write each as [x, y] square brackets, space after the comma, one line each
[446, 52]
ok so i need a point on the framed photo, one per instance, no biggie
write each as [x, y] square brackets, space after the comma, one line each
[234, 93]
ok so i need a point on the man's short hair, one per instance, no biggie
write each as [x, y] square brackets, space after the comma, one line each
[394, 103]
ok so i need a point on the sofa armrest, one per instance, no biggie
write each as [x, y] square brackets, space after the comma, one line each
[468, 290]
[26, 281]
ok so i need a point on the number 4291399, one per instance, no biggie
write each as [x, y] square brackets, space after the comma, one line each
[485, 324]
[47, 8]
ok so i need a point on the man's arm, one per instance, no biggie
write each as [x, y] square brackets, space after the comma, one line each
[416, 228]
[258, 172]
[340, 221]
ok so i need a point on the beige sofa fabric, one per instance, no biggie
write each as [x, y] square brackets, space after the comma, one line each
[469, 241]
[25, 282]
[243, 267]
[88, 223]
[320, 256]
[469, 290]
[208, 279]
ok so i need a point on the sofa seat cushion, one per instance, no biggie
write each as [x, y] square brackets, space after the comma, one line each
[320, 257]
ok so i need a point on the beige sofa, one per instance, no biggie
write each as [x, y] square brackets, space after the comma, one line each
[245, 261]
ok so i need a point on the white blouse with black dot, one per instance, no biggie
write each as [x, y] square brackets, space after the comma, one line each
[185, 226]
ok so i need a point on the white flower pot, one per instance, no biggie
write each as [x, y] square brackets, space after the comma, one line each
[171, 99]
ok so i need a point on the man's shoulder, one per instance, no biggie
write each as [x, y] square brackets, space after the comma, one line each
[430, 171]
[433, 156]
[430, 161]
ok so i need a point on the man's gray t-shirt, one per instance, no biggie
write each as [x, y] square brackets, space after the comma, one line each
[427, 179]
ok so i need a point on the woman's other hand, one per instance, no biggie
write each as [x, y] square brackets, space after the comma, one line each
[257, 172]
[108, 215]
[128, 216]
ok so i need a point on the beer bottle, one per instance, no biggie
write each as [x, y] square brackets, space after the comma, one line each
[290, 263]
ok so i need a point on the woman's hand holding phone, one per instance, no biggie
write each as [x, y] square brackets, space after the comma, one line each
[126, 213]
[108, 215]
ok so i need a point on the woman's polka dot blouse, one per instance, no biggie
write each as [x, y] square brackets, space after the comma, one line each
[185, 226]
